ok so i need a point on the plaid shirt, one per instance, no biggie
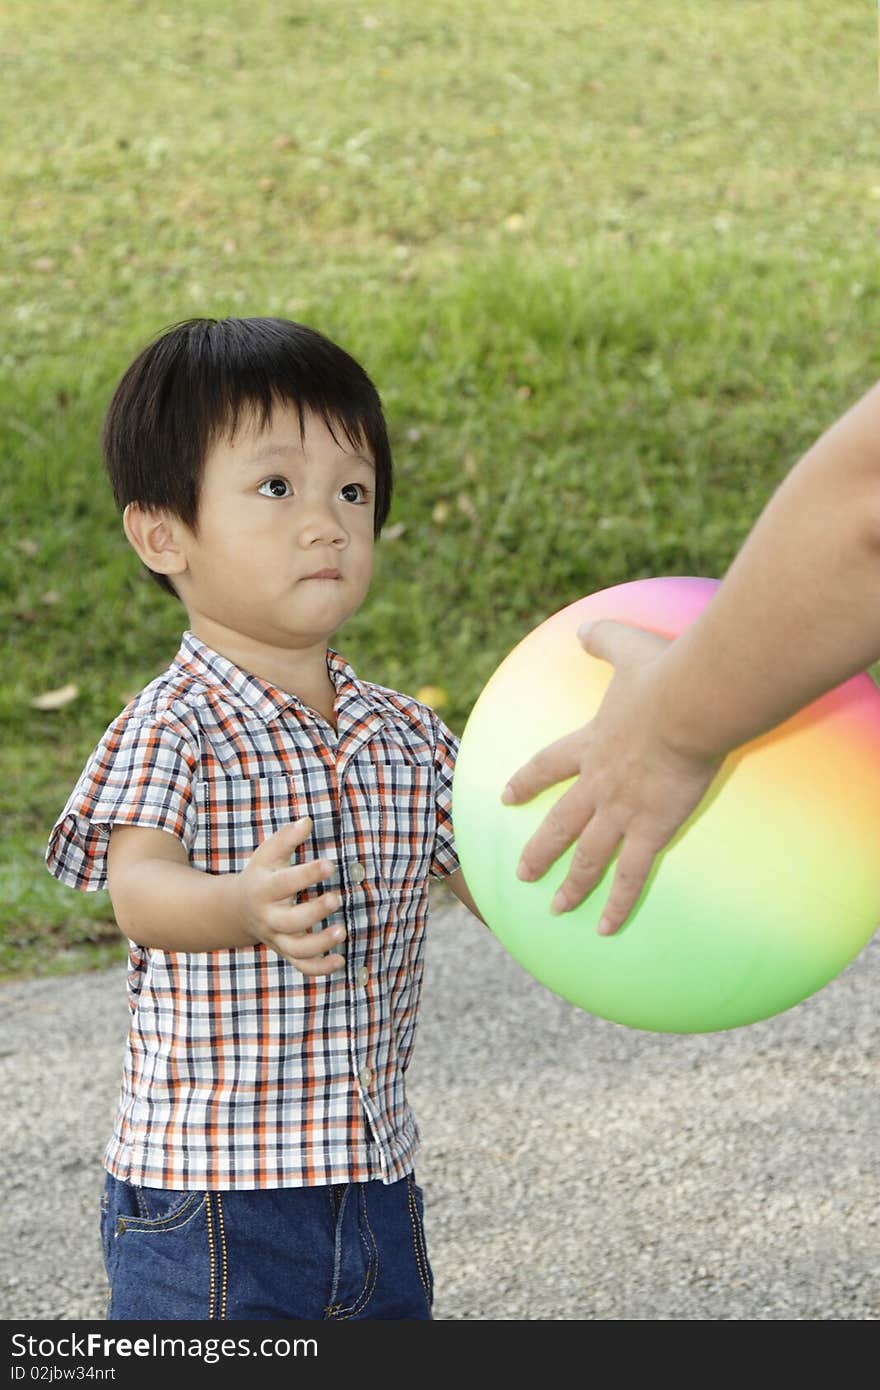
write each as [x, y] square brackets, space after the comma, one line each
[241, 1072]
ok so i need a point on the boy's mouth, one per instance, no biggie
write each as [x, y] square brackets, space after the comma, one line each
[324, 574]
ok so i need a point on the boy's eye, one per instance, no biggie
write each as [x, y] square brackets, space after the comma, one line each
[354, 492]
[277, 487]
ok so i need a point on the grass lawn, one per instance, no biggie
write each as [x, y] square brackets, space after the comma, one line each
[613, 267]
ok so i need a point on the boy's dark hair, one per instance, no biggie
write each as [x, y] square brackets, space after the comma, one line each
[192, 384]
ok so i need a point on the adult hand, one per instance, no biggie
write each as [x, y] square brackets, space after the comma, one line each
[633, 789]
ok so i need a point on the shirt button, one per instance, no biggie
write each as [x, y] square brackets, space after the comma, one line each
[363, 975]
[365, 1076]
[357, 872]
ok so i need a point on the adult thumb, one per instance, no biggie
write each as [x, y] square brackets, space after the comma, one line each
[620, 643]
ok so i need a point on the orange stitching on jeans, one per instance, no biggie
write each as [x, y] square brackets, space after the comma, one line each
[210, 1255]
[223, 1249]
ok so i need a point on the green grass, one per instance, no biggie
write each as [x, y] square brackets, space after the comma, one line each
[613, 267]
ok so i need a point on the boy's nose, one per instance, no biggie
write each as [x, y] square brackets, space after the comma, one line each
[321, 526]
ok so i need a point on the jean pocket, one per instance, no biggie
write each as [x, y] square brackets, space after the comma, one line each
[417, 1219]
[159, 1208]
[165, 1252]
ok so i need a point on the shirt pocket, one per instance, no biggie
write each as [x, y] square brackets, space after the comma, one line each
[405, 817]
[236, 814]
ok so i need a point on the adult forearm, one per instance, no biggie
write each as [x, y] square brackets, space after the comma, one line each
[799, 609]
[174, 907]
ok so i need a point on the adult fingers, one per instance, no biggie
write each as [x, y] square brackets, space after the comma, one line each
[552, 764]
[593, 853]
[595, 850]
[635, 863]
[621, 644]
[563, 823]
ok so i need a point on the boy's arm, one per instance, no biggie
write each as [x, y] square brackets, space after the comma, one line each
[462, 892]
[160, 900]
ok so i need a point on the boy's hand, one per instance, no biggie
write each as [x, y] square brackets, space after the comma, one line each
[267, 886]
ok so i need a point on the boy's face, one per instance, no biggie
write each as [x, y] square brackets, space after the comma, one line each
[283, 551]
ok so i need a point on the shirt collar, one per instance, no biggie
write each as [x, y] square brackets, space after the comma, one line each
[259, 697]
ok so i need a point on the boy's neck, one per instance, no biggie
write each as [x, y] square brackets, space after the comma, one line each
[296, 671]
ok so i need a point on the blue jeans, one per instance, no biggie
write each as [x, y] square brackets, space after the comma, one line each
[353, 1250]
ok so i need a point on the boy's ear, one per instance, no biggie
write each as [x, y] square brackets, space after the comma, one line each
[156, 536]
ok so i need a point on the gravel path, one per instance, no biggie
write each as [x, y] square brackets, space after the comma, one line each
[573, 1169]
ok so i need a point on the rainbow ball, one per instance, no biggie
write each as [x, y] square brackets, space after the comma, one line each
[763, 896]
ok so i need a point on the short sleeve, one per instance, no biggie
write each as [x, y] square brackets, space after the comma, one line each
[141, 773]
[444, 860]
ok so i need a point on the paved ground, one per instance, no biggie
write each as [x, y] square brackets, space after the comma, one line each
[573, 1169]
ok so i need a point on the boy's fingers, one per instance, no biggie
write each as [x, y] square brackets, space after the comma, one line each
[319, 964]
[303, 916]
[287, 882]
[304, 944]
[552, 764]
[325, 965]
[276, 849]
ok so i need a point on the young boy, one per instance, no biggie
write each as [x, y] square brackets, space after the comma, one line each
[266, 824]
